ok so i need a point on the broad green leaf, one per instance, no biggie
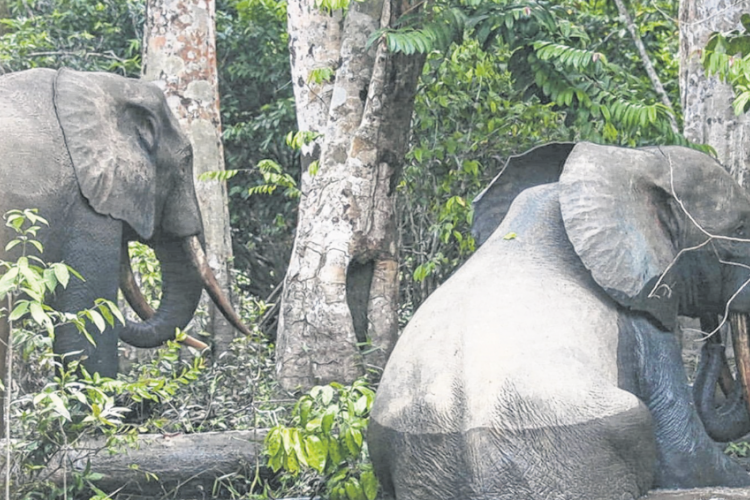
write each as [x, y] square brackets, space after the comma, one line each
[334, 452]
[97, 319]
[58, 406]
[327, 393]
[291, 464]
[369, 484]
[19, 310]
[354, 489]
[37, 313]
[305, 405]
[328, 419]
[316, 450]
[360, 406]
[62, 274]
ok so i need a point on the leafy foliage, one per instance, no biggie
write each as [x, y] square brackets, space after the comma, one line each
[257, 110]
[483, 101]
[104, 35]
[49, 417]
[556, 58]
[728, 56]
[326, 434]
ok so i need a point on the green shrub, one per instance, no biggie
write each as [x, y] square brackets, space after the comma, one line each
[327, 435]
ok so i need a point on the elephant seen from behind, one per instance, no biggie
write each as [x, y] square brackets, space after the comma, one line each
[548, 365]
[104, 161]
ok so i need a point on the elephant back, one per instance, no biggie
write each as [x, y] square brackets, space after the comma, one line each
[32, 147]
[35, 168]
[498, 354]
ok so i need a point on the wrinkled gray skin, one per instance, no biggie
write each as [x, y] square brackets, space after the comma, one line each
[547, 367]
[104, 161]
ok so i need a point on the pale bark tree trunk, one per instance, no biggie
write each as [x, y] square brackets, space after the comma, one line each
[707, 102]
[180, 56]
[339, 304]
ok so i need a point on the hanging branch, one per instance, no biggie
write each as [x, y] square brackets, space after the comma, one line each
[658, 87]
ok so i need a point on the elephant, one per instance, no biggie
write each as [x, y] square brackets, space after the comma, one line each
[103, 159]
[549, 365]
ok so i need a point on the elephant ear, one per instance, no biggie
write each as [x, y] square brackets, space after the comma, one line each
[111, 131]
[621, 218]
[541, 165]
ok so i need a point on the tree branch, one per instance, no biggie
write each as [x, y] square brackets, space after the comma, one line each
[658, 87]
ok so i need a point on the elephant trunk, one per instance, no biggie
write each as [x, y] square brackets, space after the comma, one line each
[181, 292]
[731, 419]
[192, 258]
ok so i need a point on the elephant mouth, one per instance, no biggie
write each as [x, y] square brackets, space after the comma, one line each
[741, 343]
[192, 248]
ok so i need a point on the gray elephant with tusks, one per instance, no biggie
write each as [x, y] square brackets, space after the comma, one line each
[105, 162]
[547, 366]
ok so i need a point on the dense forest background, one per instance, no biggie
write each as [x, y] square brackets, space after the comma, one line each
[499, 77]
[476, 105]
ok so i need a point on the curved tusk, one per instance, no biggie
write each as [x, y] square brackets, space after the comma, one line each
[194, 249]
[137, 301]
[130, 288]
[741, 345]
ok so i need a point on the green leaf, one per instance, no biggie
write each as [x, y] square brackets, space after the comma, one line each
[354, 489]
[327, 393]
[37, 313]
[218, 175]
[510, 236]
[334, 452]
[58, 406]
[19, 310]
[273, 441]
[97, 319]
[328, 418]
[316, 450]
[360, 405]
[370, 484]
[353, 441]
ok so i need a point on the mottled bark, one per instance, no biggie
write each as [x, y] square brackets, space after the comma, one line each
[339, 304]
[707, 102]
[180, 56]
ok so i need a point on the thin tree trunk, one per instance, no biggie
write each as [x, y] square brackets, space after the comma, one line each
[180, 54]
[706, 102]
[339, 304]
[647, 64]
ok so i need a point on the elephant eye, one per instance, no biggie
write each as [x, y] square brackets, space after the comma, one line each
[741, 230]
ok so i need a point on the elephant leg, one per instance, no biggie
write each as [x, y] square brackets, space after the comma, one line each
[686, 456]
[93, 249]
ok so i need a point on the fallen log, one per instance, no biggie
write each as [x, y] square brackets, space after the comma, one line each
[182, 466]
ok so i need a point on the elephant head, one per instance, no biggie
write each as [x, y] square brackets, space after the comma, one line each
[652, 231]
[133, 164]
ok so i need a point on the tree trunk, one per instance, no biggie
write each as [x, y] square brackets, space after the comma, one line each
[707, 102]
[185, 465]
[339, 303]
[180, 55]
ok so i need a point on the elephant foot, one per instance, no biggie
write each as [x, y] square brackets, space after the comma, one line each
[703, 467]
